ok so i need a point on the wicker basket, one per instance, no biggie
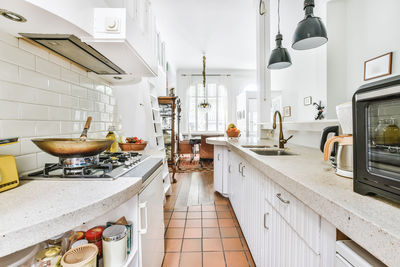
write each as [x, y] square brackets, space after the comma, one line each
[132, 146]
[82, 256]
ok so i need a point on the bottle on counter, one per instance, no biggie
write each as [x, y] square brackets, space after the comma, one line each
[112, 136]
[114, 245]
[391, 133]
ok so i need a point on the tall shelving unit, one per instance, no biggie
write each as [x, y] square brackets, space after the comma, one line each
[158, 135]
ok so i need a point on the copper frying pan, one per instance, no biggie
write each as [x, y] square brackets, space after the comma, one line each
[73, 147]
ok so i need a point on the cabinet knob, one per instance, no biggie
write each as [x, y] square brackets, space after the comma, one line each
[279, 196]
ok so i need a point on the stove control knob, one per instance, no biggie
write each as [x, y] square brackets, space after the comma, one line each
[127, 163]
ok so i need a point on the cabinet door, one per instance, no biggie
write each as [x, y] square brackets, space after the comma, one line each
[226, 169]
[218, 168]
[283, 246]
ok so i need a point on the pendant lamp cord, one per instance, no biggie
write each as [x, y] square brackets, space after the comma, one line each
[204, 75]
[279, 17]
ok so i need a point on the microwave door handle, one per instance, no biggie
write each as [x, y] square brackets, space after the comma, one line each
[143, 205]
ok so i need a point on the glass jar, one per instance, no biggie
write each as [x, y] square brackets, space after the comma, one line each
[114, 245]
[391, 133]
[378, 138]
[94, 236]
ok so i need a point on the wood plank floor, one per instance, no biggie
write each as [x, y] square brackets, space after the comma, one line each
[201, 229]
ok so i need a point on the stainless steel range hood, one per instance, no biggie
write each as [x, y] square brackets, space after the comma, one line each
[72, 48]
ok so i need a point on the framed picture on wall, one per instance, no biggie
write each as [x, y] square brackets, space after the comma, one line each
[307, 101]
[287, 111]
[378, 66]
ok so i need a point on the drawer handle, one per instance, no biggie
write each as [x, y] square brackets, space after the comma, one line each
[279, 195]
[265, 220]
[243, 171]
[219, 156]
[240, 164]
[229, 168]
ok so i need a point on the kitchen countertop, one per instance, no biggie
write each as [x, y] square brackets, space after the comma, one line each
[372, 222]
[37, 210]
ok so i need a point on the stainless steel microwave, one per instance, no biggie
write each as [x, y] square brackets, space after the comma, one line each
[376, 134]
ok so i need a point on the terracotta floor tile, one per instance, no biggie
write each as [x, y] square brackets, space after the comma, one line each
[236, 259]
[212, 244]
[171, 260]
[174, 223]
[191, 259]
[221, 201]
[179, 215]
[209, 214]
[194, 215]
[211, 233]
[191, 245]
[229, 232]
[166, 221]
[213, 259]
[226, 223]
[244, 243]
[224, 215]
[193, 223]
[195, 208]
[210, 223]
[250, 259]
[174, 233]
[232, 244]
[208, 207]
[173, 245]
[221, 208]
[192, 232]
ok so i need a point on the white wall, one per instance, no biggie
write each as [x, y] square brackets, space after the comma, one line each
[237, 82]
[366, 29]
[307, 76]
[43, 95]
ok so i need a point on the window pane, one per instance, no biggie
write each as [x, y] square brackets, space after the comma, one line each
[200, 90]
[221, 113]
[192, 90]
[222, 91]
[202, 121]
[192, 114]
[212, 90]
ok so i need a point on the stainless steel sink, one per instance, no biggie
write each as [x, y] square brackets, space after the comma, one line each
[256, 146]
[272, 152]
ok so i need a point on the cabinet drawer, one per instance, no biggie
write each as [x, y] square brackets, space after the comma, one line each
[304, 221]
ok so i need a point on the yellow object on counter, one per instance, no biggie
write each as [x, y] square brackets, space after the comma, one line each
[8, 173]
[112, 136]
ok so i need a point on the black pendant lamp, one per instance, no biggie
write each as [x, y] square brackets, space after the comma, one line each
[310, 32]
[280, 57]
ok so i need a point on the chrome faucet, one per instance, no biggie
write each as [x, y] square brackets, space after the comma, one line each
[282, 141]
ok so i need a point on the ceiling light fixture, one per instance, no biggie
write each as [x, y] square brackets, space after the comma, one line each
[280, 57]
[204, 106]
[310, 32]
[12, 16]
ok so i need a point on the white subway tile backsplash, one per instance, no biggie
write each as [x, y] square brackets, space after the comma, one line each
[86, 82]
[59, 86]
[48, 68]
[104, 98]
[69, 101]
[60, 114]
[33, 48]
[33, 112]
[26, 163]
[69, 76]
[78, 91]
[44, 95]
[9, 72]
[47, 98]
[47, 128]
[16, 56]
[8, 110]
[59, 60]
[33, 78]
[11, 128]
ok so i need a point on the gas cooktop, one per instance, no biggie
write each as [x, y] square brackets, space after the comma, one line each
[106, 166]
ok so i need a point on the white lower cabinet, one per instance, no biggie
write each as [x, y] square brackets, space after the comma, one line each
[221, 169]
[280, 230]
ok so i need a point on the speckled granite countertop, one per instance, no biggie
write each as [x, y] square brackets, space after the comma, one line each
[372, 222]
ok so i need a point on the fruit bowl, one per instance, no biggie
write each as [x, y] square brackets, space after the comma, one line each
[233, 133]
[132, 146]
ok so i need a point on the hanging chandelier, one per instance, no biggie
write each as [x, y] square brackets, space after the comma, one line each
[204, 106]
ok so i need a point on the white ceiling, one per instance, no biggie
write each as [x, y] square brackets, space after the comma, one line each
[224, 29]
